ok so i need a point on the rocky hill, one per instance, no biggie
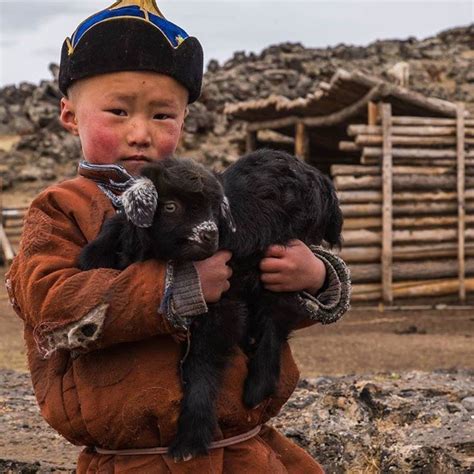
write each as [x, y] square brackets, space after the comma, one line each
[36, 150]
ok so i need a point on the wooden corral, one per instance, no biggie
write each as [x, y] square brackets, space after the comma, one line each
[403, 165]
[11, 226]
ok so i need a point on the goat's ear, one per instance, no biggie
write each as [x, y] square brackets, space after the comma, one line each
[140, 201]
[227, 215]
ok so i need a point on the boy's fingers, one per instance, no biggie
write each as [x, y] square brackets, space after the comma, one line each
[270, 265]
[276, 251]
[274, 287]
[226, 255]
[270, 278]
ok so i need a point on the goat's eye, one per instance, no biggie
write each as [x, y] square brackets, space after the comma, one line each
[170, 207]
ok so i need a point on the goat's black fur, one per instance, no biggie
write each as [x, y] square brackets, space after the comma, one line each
[274, 198]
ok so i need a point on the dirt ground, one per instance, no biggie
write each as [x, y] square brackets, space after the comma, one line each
[362, 342]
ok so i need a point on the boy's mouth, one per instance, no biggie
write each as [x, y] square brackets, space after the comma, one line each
[137, 158]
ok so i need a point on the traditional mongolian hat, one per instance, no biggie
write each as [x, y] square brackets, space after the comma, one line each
[132, 36]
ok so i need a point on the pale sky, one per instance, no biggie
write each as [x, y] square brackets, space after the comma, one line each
[32, 31]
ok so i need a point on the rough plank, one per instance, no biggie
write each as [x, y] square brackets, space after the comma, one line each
[387, 276]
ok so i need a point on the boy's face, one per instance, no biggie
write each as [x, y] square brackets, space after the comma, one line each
[127, 118]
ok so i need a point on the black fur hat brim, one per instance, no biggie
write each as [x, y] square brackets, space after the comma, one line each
[131, 44]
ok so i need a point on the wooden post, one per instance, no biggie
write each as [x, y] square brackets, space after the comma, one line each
[461, 200]
[5, 246]
[386, 113]
[301, 141]
[251, 141]
[372, 113]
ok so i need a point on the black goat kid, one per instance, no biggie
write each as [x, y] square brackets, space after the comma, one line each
[274, 198]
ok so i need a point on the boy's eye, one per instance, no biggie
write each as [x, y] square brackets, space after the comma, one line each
[161, 116]
[118, 112]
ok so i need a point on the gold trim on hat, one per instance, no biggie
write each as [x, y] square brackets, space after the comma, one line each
[145, 5]
[179, 39]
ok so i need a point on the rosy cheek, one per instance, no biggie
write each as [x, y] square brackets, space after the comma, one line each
[167, 143]
[101, 145]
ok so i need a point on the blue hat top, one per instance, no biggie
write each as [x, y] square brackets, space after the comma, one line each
[144, 10]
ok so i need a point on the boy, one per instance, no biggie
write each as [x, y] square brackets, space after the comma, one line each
[103, 352]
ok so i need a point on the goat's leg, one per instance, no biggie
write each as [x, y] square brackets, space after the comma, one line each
[277, 316]
[197, 420]
[212, 342]
[263, 367]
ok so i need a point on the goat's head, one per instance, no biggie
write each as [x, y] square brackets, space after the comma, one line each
[182, 204]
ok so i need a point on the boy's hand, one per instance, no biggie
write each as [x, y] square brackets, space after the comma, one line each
[214, 274]
[292, 268]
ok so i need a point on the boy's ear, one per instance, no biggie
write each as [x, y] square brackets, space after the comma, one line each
[186, 112]
[67, 116]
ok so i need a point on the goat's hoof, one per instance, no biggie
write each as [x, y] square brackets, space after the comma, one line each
[180, 455]
[185, 453]
[177, 459]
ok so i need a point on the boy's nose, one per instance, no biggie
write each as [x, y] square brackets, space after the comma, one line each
[139, 134]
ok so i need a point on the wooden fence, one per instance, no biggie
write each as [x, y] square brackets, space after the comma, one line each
[409, 206]
[11, 226]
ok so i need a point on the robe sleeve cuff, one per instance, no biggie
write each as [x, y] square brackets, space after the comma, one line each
[183, 298]
[333, 299]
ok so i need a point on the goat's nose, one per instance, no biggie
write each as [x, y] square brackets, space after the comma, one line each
[208, 236]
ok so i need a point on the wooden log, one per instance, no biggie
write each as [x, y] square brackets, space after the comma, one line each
[361, 170]
[421, 163]
[13, 225]
[13, 232]
[370, 237]
[372, 113]
[356, 223]
[460, 132]
[6, 246]
[414, 153]
[274, 124]
[437, 122]
[405, 209]
[347, 112]
[301, 141]
[401, 182]
[433, 250]
[443, 268]
[250, 141]
[364, 197]
[361, 210]
[348, 146]
[354, 130]
[411, 289]
[405, 252]
[371, 140]
[434, 221]
[387, 205]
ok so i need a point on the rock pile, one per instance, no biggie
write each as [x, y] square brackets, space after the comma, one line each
[440, 66]
[413, 422]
